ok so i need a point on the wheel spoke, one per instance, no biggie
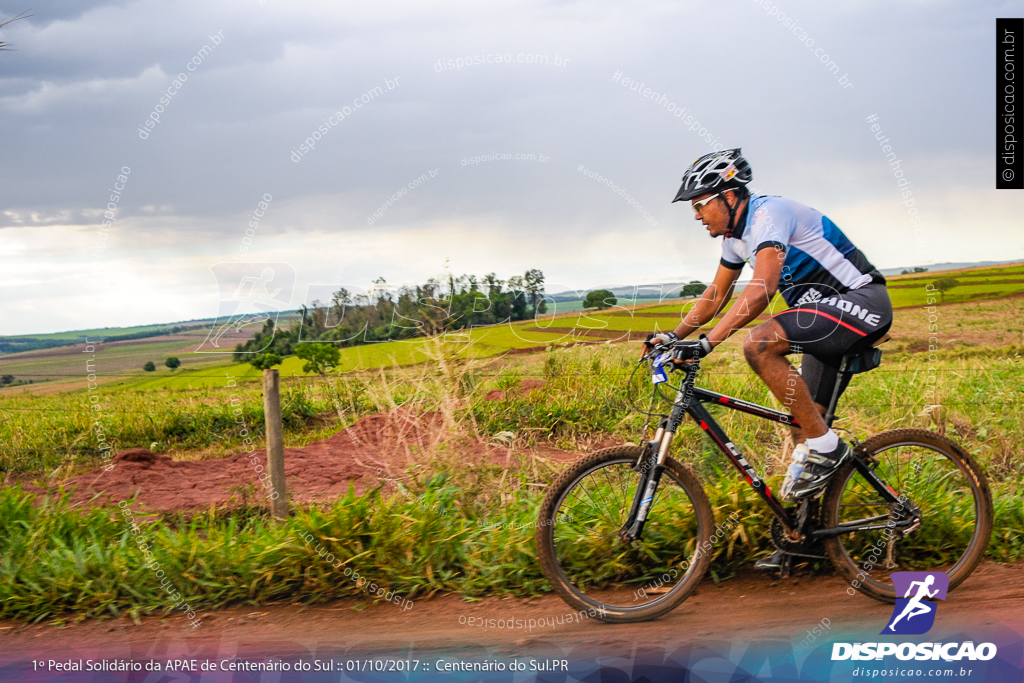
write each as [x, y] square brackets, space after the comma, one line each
[592, 560]
[926, 471]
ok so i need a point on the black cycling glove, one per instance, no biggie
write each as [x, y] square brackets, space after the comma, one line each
[691, 350]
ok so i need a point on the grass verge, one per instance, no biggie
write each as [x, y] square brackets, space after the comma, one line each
[59, 563]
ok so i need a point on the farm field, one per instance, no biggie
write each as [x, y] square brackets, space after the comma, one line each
[185, 411]
[121, 362]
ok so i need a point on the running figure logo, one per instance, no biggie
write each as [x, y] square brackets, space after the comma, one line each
[251, 294]
[914, 613]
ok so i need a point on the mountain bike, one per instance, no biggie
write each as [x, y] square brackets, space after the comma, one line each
[629, 530]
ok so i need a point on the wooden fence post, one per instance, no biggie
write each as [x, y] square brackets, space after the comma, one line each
[275, 442]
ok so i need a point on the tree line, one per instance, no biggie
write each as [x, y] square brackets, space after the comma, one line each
[382, 315]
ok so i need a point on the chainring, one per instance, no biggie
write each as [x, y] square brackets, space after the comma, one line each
[781, 539]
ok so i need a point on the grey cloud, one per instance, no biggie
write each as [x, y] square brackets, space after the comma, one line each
[86, 76]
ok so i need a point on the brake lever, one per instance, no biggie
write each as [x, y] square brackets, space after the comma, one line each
[655, 351]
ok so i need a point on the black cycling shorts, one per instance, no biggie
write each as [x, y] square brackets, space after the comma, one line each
[827, 329]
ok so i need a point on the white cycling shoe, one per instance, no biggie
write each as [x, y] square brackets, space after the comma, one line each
[818, 469]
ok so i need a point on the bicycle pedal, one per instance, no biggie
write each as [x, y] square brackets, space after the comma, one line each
[775, 561]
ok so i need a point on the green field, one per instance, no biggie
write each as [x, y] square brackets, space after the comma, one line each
[61, 562]
[43, 427]
[121, 362]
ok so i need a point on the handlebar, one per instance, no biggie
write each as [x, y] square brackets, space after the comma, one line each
[658, 349]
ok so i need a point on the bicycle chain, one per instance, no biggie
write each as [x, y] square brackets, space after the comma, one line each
[780, 537]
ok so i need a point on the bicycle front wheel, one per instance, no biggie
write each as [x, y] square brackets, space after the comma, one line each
[592, 568]
[942, 480]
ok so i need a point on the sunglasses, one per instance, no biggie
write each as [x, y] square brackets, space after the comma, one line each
[699, 206]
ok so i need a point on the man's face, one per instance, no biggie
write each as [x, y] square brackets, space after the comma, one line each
[714, 214]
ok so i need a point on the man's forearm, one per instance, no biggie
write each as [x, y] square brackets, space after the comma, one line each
[739, 316]
[702, 311]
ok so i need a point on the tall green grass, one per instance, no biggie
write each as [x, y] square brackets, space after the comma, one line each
[585, 397]
[58, 562]
[41, 433]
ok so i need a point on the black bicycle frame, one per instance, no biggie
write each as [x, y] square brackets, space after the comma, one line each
[685, 404]
[702, 417]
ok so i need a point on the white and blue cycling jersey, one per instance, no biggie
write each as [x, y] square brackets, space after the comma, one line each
[820, 260]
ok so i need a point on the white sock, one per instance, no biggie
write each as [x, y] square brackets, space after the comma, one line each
[825, 443]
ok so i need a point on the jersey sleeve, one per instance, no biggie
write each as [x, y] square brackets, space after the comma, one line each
[773, 225]
[730, 259]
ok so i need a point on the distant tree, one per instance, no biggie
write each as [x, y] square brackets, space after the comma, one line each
[319, 357]
[264, 361]
[600, 299]
[149, 366]
[920, 270]
[533, 283]
[944, 285]
[172, 362]
[904, 272]
[6, 379]
[695, 288]
[493, 284]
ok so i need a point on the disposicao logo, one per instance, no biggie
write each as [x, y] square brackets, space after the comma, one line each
[915, 614]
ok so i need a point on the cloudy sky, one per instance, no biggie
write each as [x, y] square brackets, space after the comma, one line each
[85, 76]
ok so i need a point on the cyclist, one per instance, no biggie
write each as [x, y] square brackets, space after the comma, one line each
[837, 300]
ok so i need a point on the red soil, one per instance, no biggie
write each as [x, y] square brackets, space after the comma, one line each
[524, 387]
[375, 449]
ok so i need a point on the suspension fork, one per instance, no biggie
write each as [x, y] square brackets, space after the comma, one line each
[652, 464]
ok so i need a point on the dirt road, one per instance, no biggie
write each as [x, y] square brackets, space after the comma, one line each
[748, 608]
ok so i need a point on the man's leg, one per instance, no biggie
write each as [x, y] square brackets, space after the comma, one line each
[820, 379]
[765, 349]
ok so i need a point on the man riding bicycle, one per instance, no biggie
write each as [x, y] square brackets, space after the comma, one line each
[838, 301]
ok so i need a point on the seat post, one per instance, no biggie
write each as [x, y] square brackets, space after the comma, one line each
[853, 363]
[831, 414]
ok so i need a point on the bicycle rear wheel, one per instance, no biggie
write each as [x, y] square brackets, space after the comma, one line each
[937, 476]
[589, 565]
